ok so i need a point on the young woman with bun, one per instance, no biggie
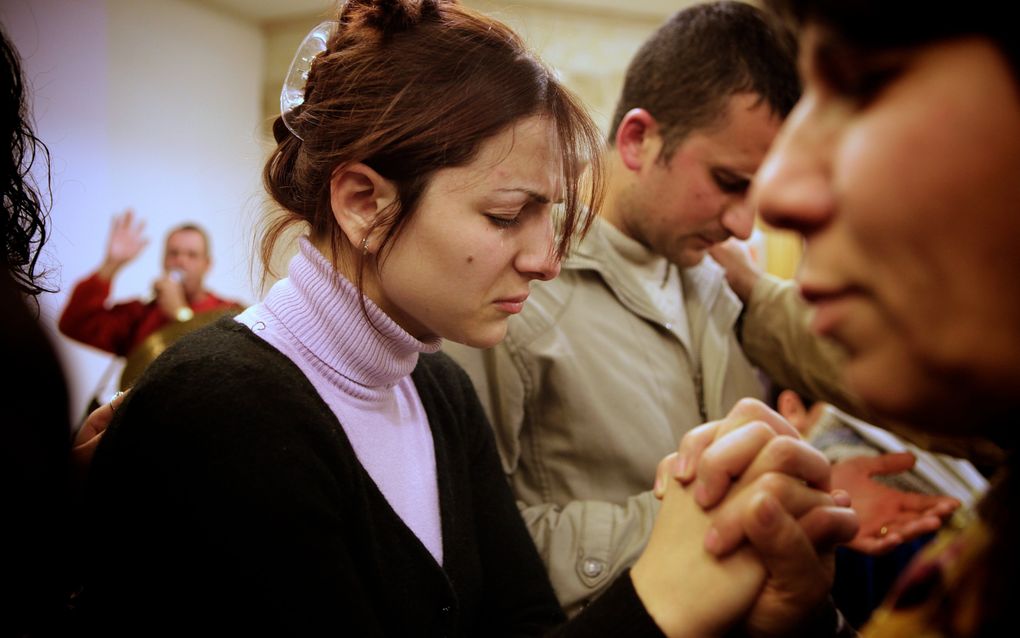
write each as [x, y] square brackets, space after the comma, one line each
[316, 466]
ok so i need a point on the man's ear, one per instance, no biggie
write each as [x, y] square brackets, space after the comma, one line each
[358, 195]
[791, 407]
[637, 139]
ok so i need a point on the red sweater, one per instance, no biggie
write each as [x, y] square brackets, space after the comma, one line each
[120, 328]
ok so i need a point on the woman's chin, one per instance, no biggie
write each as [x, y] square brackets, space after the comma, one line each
[483, 337]
[909, 396]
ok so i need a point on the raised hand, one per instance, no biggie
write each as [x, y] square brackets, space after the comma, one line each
[124, 243]
[888, 516]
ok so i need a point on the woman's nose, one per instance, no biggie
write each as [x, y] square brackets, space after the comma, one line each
[537, 258]
[793, 188]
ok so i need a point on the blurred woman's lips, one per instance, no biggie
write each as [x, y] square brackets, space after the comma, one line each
[832, 306]
[817, 293]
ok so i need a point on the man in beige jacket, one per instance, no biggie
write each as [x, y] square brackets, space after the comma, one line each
[639, 339]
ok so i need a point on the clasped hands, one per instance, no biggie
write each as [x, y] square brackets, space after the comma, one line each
[746, 534]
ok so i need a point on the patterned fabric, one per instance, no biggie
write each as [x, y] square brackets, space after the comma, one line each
[958, 586]
[840, 437]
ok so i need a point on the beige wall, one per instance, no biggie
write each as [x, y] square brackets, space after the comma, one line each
[589, 47]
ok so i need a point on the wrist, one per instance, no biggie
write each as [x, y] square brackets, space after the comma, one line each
[107, 270]
[655, 595]
[824, 620]
[743, 284]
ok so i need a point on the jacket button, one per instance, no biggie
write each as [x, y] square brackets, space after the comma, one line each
[592, 567]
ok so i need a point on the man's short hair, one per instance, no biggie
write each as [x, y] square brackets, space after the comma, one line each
[685, 74]
[195, 228]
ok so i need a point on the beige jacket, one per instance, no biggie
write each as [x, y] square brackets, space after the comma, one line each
[593, 386]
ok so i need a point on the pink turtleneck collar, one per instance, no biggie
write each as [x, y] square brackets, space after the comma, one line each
[360, 365]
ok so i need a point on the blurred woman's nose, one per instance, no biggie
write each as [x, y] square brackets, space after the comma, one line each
[793, 189]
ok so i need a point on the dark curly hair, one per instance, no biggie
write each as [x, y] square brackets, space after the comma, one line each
[25, 208]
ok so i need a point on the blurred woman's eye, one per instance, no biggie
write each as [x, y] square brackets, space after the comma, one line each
[853, 75]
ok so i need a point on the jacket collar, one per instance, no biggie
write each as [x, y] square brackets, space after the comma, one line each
[704, 289]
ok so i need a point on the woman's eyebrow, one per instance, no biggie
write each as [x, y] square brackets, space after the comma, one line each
[536, 196]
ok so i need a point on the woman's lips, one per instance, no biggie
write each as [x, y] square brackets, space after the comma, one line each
[832, 306]
[511, 305]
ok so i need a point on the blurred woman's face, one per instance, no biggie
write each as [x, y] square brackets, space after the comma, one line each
[482, 232]
[902, 170]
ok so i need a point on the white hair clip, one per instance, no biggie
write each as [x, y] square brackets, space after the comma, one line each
[293, 93]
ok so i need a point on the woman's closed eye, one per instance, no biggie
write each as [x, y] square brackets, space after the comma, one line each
[503, 220]
[854, 75]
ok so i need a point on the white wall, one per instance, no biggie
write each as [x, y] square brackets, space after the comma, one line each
[152, 104]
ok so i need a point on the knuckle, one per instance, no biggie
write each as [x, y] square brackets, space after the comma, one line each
[747, 405]
[696, 435]
[784, 452]
[776, 483]
[710, 459]
[665, 463]
[760, 429]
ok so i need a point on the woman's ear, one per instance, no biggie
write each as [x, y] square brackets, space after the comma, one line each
[637, 139]
[358, 195]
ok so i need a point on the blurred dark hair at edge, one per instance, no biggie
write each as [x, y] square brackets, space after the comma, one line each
[25, 206]
[883, 25]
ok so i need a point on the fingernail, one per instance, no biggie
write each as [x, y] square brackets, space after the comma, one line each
[683, 468]
[766, 512]
[713, 542]
[657, 487]
[841, 498]
[700, 494]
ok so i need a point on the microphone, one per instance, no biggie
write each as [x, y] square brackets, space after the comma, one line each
[176, 275]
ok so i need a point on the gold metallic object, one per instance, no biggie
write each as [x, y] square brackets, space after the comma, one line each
[154, 345]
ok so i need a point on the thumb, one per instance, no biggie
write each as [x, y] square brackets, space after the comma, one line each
[890, 463]
[784, 549]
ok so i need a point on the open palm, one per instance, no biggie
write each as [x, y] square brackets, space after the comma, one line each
[126, 240]
[888, 516]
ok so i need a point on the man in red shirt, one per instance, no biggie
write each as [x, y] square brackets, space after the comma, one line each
[179, 292]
